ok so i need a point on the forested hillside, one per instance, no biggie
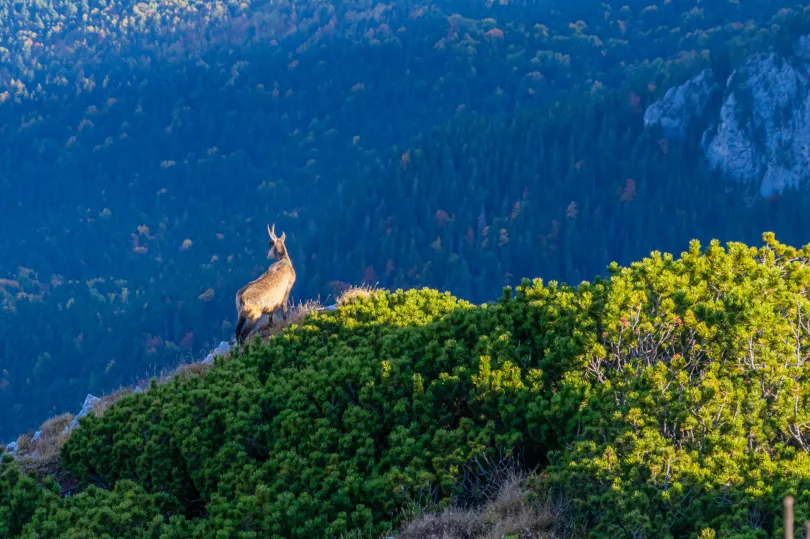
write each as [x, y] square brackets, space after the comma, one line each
[455, 145]
[668, 399]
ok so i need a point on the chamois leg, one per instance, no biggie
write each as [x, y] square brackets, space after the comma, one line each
[239, 327]
[249, 327]
[269, 314]
[284, 306]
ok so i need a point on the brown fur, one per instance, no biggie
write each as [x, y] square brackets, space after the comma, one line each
[269, 292]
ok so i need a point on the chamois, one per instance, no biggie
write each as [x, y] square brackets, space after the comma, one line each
[267, 293]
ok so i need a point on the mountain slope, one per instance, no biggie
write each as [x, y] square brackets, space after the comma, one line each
[144, 147]
[669, 399]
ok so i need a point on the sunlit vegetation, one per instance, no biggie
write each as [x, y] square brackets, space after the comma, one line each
[143, 147]
[668, 399]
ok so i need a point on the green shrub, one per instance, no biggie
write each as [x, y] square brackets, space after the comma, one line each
[127, 511]
[337, 424]
[697, 413]
[20, 496]
[668, 401]
[33, 510]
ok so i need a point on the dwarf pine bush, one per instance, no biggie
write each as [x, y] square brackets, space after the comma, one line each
[670, 399]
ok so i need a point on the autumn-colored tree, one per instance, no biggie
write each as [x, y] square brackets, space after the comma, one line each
[628, 193]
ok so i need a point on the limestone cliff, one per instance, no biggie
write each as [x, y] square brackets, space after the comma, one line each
[761, 132]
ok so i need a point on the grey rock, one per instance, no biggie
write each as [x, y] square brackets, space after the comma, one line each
[37, 436]
[761, 132]
[222, 349]
[764, 130]
[11, 448]
[681, 104]
[90, 403]
[802, 48]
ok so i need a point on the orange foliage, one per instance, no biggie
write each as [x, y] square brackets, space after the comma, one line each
[153, 342]
[572, 211]
[629, 191]
[187, 341]
[495, 33]
[515, 211]
[555, 230]
[207, 295]
[140, 249]
[441, 218]
[635, 102]
[503, 238]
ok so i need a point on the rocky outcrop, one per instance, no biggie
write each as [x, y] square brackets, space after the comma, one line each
[761, 132]
[802, 48]
[764, 130]
[90, 402]
[682, 104]
[220, 350]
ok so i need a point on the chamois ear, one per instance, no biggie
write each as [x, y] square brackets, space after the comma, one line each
[283, 236]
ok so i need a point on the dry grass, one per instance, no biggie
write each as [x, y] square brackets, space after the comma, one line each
[41, 457]
[55, 426]
[515, 511]
[296, 316]
[354, 293]
[191, 367]
[188, 370]
[25, 443]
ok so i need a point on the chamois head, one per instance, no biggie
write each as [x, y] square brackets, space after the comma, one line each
[277, 248]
